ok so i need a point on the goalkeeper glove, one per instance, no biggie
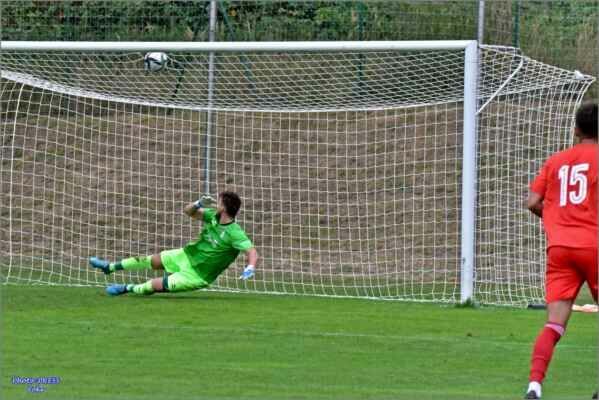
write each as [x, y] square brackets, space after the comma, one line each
[204, 202]
[248, 272]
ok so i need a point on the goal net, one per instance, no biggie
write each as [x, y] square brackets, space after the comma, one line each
[349, 163]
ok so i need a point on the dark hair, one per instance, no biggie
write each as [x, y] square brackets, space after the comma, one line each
[586, 120]
[231, 202]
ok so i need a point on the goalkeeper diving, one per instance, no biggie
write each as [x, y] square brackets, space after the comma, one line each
[199, 262]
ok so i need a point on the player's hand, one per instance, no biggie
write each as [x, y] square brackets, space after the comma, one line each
[248, 272]
[206, 201]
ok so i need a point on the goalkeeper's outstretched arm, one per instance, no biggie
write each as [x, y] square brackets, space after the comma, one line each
[196, 209]
[250, 268]
[252, 256]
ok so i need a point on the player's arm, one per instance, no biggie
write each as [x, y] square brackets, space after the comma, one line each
[196, 209]
[536, 194]
[535, 204]
[252, 256]
[252, 260]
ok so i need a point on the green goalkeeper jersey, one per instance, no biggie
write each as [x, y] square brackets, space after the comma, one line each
[217, 246]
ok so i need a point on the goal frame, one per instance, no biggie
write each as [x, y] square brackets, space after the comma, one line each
[471, 68]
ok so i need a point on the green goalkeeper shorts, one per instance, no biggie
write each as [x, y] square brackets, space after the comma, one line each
[182, 277]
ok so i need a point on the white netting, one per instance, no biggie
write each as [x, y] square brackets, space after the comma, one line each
[349, 165]
[259, 81]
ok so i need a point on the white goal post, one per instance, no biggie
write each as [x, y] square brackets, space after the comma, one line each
[368, 169]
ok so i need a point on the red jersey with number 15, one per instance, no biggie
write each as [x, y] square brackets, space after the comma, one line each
[568, 184]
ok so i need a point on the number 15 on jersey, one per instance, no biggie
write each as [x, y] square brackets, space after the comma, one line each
[573, 176]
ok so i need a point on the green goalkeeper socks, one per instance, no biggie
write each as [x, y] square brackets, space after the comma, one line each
[142, 288]
[132, 263]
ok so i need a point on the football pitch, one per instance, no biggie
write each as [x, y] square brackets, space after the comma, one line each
[208, 345]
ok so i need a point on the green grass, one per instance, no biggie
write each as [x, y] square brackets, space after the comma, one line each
[208, 345]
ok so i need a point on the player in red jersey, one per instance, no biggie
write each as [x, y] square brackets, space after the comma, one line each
[564, 195]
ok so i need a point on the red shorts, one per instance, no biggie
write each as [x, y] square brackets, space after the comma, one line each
[567, 270]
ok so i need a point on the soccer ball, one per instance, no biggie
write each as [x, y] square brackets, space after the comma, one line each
[155, 61]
